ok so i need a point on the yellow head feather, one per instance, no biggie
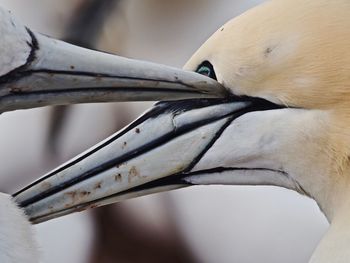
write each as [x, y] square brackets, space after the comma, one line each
[294, 52]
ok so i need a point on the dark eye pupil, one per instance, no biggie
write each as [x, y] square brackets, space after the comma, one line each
[206, 69]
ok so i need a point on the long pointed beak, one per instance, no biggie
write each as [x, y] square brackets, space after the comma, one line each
[155, 153]
[58, 73]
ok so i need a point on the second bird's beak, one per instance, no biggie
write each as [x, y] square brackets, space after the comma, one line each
[155, 153]
[57, 73]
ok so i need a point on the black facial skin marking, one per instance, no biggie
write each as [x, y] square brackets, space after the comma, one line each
[18, 72]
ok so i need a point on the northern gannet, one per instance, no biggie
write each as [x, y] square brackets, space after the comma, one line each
[286, 66]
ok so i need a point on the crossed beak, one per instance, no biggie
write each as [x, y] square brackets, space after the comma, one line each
[155, 153]
[57, 73]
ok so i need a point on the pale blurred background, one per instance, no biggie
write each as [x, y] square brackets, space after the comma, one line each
[198, 224]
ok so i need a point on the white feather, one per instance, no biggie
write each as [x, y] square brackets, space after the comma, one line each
[17, 242]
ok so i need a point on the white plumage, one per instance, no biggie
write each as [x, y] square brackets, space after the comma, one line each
[15, 43]
[17, 242]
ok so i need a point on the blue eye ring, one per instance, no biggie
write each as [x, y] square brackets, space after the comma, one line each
[206, 69]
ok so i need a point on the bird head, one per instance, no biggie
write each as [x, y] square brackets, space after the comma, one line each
[294, 54]
[284, 122]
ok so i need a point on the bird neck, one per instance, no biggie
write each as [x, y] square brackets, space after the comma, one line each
[335, 245]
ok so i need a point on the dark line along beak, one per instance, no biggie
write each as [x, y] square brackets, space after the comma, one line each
[153, 154]
[57, 73]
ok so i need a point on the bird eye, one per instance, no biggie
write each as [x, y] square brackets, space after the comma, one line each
[206, 69]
